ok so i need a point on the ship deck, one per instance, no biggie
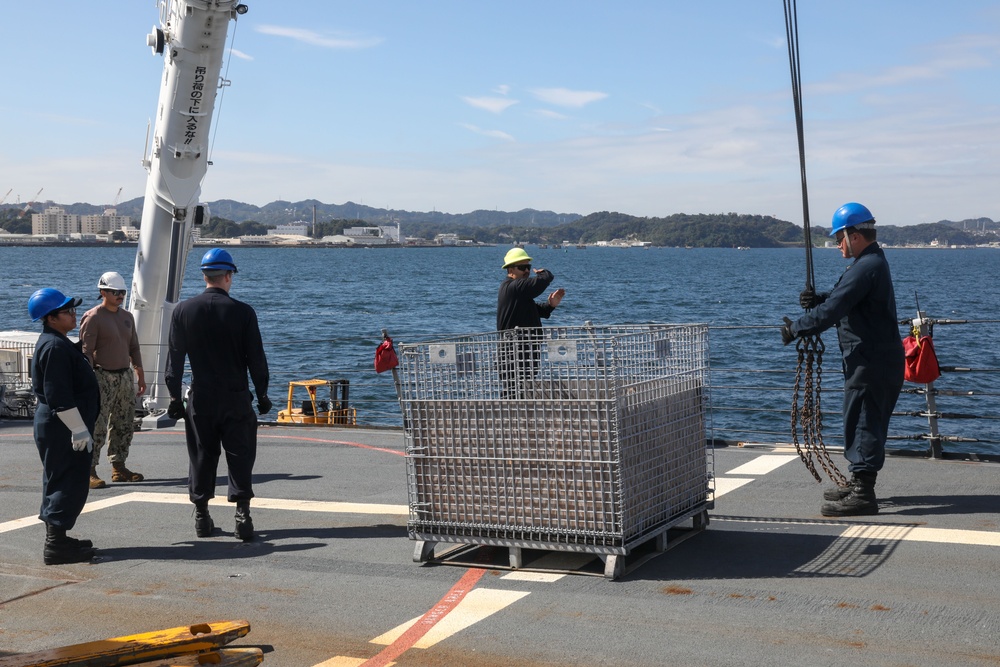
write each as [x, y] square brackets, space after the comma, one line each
[331, 581]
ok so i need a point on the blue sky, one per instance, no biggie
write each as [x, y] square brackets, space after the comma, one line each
[644, 107]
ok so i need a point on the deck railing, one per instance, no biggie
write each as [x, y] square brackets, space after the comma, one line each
[750, 386]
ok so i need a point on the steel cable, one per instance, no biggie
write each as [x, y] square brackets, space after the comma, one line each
[809, 369]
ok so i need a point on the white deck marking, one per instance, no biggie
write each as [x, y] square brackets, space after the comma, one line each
[259, 503]
[554, 560]
[724, 485]
[24, 522]
[344, 661]
[14, 524]
[922, 534]
[543, 577]
[278, 504]
[762, 464]
[477, 605]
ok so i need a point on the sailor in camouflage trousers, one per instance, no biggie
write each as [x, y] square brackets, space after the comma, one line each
[117, 388]
[109, 339]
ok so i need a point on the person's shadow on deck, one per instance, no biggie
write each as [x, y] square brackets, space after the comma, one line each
[223, 546]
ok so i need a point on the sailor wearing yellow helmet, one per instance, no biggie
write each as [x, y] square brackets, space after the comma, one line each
[516, 305]
[517, 309]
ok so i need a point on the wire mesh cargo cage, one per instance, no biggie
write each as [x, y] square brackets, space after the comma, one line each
[585, 439]
[16, 396]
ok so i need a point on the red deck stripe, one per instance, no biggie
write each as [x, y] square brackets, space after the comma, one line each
[297, 437]
[334, 442]
[433, 616]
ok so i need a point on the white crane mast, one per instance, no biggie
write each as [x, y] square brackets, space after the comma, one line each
[192, 38]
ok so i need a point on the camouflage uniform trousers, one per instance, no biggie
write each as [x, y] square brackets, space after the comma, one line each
[117, 415]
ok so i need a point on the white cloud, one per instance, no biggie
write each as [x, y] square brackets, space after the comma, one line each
[239, 54]
[548, 113]
[316, 39]
[968, 52]
[491, 104]
[502, 89]
[565, 97]
[495, 134]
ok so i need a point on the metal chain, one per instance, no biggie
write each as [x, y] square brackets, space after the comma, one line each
[809, 380]
[805, 455]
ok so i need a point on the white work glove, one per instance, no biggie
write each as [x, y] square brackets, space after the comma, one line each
[81, 435]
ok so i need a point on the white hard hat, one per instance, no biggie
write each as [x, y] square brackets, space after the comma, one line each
[111, 280]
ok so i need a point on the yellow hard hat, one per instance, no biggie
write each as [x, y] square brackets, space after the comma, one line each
[515, 256]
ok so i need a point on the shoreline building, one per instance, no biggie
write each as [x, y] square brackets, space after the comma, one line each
[107, 222]
[54, 220]
[298, 228]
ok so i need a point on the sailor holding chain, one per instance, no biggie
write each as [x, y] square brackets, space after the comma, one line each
[862, 305]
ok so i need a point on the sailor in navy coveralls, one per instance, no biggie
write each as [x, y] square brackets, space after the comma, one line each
[862, 306]
[221, 338]
[68, 403]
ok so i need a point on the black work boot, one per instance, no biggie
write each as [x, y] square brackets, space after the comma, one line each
[860, 501]
[203, 524]
[244, 524]
[61, 550]
[840, 492]
[83, 544]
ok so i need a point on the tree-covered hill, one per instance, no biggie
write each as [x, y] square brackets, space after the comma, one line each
[682, 229]
[232, 218]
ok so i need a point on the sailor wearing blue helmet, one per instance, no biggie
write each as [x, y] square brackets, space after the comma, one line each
[862, 305]
[68, 403]
[221, 339]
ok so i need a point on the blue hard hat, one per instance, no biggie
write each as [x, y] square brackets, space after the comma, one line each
[218, 259]
[852, 214]
[47, 300]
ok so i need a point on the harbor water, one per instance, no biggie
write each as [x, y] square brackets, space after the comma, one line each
[321, 312]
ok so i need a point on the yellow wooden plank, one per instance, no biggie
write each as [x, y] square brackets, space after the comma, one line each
[133, 649]
[224, 657]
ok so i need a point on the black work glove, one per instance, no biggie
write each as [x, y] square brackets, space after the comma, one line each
[807, 298]
[263, 405]
[176, 409]
[786, 332]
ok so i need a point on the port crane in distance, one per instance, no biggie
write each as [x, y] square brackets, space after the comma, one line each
[28, 205]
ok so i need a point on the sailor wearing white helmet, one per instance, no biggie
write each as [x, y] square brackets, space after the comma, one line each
[110, 341]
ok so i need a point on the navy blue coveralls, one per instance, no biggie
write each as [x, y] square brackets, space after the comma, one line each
[515, 302]
[221, 338]
[62, 379]
[862, 305]
[516, 307]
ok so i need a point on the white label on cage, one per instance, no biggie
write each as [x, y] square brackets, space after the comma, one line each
[442, 354]
[561, 350]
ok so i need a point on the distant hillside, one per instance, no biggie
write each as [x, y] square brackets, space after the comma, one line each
[721, 230]
[283, 212]
[233, 218]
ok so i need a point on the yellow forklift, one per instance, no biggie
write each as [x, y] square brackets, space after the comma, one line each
[331, 411]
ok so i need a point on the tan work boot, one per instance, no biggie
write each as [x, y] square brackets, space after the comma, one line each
[119, 473]
[95, 481]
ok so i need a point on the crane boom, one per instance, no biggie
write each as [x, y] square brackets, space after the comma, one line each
[191, 37]
[4, 198]
[27, 207]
